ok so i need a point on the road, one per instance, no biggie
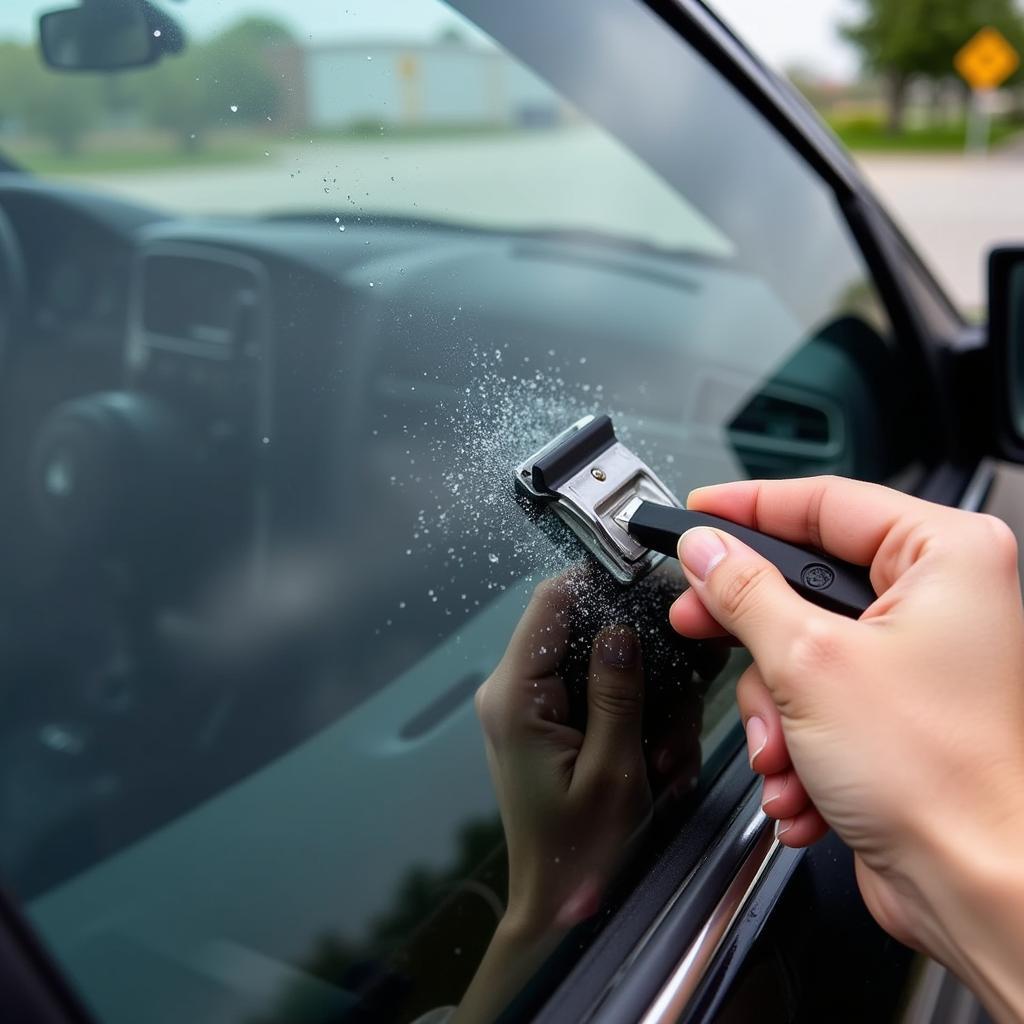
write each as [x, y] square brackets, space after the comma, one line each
[952, 207]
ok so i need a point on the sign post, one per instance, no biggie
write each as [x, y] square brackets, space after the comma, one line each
[984, 62]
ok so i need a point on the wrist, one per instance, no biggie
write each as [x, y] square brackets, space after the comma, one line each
[519, 929]
[523, 927]
[974, 888]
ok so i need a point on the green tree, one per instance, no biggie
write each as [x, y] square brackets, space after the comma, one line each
[175, 97]
[59, 107]
[238, 62]
[188, 94]
[901, 39]
[17, 65]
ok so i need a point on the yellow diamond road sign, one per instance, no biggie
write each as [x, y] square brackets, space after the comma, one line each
[986, 60]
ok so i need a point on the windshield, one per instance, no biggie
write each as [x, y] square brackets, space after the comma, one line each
[314, 107]
[282, 305]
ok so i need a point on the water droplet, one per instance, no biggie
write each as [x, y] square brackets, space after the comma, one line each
[234, 108]
[493, 558]
[266, 440]
[371, 284]
[266, 153]
[369, 58]
[157, 33]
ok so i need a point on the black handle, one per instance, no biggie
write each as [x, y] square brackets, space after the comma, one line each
[830, 582]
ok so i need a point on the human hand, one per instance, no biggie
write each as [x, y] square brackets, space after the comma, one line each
[903, 730]
[575, 798]
[571, 802]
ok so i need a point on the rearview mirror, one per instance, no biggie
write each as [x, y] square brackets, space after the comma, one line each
[105, 35]
[1006, 345]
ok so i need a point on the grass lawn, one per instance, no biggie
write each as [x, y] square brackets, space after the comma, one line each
[46, 161]
[151, 151]
[870, 135]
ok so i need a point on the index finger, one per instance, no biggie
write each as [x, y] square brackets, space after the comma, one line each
[539, 642]
[848, 518]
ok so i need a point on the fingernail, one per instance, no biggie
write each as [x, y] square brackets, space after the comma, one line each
[782, 826]
[700, 550]
[757, 737]
[665, 760]
[773, 789]
[620, 649]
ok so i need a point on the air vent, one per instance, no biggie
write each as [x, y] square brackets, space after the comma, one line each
[198, 300]
[780, 419]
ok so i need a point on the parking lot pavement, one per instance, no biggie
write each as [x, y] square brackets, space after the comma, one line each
[954, 208]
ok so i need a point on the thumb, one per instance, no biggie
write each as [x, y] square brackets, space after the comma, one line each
[747, 595]
[613, 742]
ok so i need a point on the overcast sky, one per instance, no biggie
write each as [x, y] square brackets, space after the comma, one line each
[788, 32]
[784, 32]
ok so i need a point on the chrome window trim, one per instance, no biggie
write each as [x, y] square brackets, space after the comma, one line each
[671, 1001]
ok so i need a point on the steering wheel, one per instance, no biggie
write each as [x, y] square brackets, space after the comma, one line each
[13, 287]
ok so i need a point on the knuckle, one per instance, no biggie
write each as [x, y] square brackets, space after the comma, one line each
[818, 648]
[481, 701]
[742, 589]
[999, 539]
[617, 702]
[812, 522]
[552, 599]
[487, 711]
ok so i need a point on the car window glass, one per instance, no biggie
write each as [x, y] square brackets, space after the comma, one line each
[297, 299]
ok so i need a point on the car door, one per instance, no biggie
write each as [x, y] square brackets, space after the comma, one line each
[245, 780]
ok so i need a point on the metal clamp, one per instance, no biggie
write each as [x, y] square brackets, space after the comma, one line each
[589, 477]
